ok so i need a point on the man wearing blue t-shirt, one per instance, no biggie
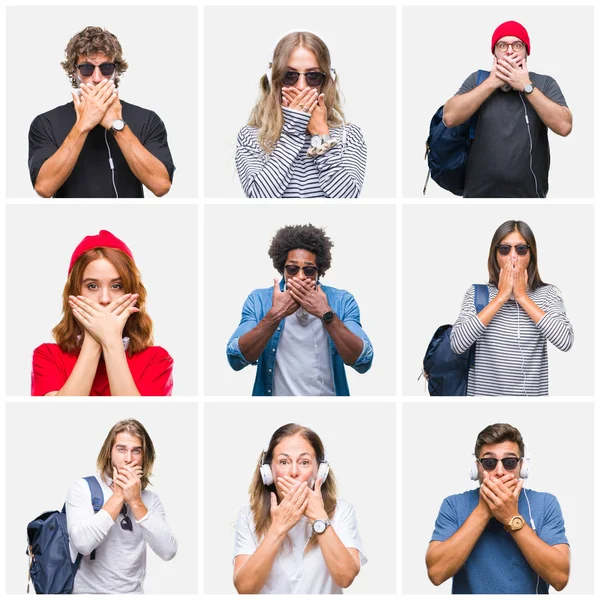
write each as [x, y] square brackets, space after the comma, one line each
[495, 540]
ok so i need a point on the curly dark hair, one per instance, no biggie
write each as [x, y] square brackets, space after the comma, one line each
[305, 237]
[90, 41]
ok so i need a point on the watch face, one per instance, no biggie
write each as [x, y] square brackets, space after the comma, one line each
[328, 317]
[319, 526]
[528, 89]
[517, 523]
[315, 141]
[118, 124]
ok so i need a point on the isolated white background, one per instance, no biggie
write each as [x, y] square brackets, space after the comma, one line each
[445, 250]
[437, 443]
[443, 46]
[39, 474]
[160, 45]
[361, 457]
[40, 242]
[237, 240]
[238, 46]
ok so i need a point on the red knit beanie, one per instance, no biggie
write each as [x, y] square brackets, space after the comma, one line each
[511, 28]
[105, 239]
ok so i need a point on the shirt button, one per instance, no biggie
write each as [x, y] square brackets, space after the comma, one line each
[269, 391]
[270, 370]
[279, 329]
[273, 350]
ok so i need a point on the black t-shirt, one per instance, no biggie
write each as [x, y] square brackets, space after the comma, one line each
[498, 165]
[91, 177]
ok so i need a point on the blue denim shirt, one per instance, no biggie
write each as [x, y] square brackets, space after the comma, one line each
[257, 305]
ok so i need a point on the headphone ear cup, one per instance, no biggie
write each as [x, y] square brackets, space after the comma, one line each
[323, 471]
[474, 471]
[525, 468]
[267, 474]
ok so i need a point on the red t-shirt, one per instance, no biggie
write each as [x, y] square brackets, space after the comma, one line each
[151, 369]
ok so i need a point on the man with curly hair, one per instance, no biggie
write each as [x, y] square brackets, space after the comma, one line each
[98, 146]
[299, 332]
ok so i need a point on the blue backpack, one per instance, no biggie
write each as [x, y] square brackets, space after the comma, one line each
[447, 149]
[447, 373]
[50, 565]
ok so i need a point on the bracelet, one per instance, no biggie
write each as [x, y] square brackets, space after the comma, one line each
[324, 147]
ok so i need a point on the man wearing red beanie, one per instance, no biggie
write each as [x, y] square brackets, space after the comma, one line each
[510, 155]
[98, 146]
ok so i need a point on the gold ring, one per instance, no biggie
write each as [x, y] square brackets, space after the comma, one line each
[301, 105]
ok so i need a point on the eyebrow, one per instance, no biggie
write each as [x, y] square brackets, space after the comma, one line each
[93, 279]
[311, 69]
[506, 454]
[288, 456]
[306, 262]
[124, 446]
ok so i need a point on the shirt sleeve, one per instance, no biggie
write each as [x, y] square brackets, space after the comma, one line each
[554, 325]
[468, 84]
[552, 530]
[157, 377]
[446, 524]
[342, 168]
[47, 372]
[248, 322]
[265, 176]
[87, 529]
[245, 541]
[156, 531]
[42, 146]
[345, 525]
[468, 328]
[154, 139]
[351, 319]
[553, 92]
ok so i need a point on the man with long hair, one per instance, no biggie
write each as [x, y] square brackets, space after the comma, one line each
[98, 146]
[113, 539]
[500, 538]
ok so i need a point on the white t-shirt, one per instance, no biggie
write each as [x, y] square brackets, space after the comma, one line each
[119, 566]
[294, 571]
[303, 359]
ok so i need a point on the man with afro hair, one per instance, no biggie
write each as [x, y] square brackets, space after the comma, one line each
[298, 332]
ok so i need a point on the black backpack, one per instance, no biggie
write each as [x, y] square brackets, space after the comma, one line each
[50, 565]
[447, 373]
[447, 149]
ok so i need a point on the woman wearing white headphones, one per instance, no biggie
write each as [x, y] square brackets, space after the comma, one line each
[512, 329]
[295, 537]
[296, 143]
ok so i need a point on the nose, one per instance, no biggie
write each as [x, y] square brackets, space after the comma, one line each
[294, 470]
[301, 274]
[105, 298]
[499, 470]
[97, 77]
[301, 83]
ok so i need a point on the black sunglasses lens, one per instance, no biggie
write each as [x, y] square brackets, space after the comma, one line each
[315, 79]
[521, 250]
[510, 463]
[310, 271]
[504, 250]
[86, 69]
[291, 78]
[292, 269]
[107, 69]
[489, 464]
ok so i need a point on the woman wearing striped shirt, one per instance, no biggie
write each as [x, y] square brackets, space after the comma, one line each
[296, 143]
[510, 333]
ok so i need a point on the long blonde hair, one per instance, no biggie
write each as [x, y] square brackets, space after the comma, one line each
[267, 115]
[260, 494]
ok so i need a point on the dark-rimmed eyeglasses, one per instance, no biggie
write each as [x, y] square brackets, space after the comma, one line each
[520, 249]
[126, 523]
[87, 69]
[292, 270]
[509, 463]
[313, 78]
[516, 46]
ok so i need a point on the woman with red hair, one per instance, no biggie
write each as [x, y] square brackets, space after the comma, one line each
[104, 341]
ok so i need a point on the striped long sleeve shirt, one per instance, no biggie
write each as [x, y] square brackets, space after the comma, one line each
[287, 172]
[511, 356]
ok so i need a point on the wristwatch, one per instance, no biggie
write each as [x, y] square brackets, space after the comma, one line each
[328, 317]
[515, 524]
[528, 88]
[320, 525]
[318, 140]
[118, 125]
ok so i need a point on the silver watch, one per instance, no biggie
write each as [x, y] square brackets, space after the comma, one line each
[118, 125]
[320, 525]
[318, 140]
[528, 88]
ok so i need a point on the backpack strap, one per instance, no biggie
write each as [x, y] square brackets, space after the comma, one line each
[481, 297]
[97, 504]
[481, 76]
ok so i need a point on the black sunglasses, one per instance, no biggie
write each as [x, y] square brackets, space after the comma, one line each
[126, 522]
[87, 69]
[295, 269]
[313, 78]
[520, 249]
[509, 463]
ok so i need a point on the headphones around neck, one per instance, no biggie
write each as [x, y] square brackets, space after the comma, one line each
[266, 472]
[269, 72]
[524, 474]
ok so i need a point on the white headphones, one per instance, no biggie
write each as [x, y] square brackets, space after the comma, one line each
[524, 474]
[267, 473]
[269, 72]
